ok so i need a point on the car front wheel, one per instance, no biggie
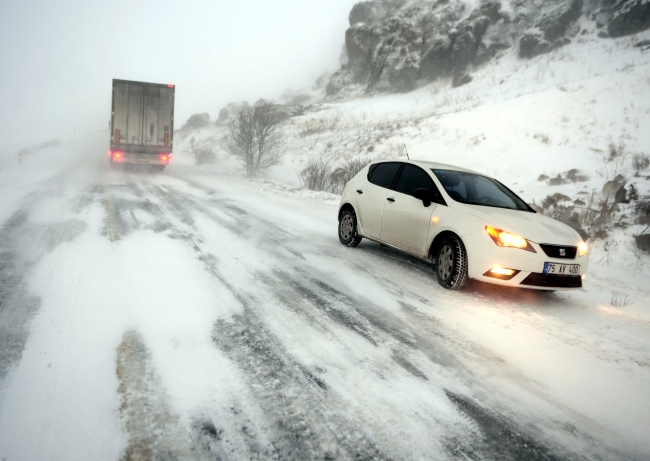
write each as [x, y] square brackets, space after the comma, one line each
[348, 229]
[451, 263]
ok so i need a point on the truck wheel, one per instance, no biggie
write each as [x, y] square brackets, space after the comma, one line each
[451, 263]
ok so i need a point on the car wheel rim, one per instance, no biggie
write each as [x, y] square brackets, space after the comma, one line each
[445, 262]
[346, 227]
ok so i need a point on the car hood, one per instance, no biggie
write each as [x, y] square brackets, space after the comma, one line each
[532, 226]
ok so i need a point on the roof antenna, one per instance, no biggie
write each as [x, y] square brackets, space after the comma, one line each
[407, 152]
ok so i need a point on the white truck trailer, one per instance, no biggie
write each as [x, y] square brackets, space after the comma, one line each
[142, 123]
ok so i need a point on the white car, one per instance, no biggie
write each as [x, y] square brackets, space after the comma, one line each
[466, 224]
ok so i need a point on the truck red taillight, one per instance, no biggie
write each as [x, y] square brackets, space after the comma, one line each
[164, 158]
[118, 156]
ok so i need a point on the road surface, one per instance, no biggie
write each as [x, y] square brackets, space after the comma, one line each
[191, 315]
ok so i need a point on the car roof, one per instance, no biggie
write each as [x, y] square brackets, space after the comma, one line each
[434, 165]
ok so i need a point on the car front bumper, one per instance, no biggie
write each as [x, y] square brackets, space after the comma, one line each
[483, 255]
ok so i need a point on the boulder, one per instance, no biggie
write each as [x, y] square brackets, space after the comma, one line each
[629, 17]
[643, 242]
[460, 79]
[621, 196]
[611, 188]
[558, 17]
[575, 175]
[542, 177]
[558, 181]
[532, 44]
[487, 49]
[552, 200]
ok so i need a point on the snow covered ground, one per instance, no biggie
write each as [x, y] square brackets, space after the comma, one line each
[196, 315]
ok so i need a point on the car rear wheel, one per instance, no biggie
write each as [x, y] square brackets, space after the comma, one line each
[451, 263]
[348, 235]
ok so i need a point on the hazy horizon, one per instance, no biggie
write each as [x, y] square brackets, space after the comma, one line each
[60, 57]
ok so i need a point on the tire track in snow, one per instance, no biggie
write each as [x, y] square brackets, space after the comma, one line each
[298, 424]
[154, 431]
[17, 306]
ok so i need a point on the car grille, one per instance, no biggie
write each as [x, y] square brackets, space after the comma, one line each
[554, 251]
[552, 281]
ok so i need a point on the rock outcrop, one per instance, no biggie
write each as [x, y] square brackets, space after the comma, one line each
[393, 45]
[398, 45]
[549, 31]
[629, 17]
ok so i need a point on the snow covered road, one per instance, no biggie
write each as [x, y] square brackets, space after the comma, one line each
[188, 315]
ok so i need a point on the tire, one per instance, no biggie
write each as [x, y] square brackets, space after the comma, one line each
[451, 263]
[348, 235]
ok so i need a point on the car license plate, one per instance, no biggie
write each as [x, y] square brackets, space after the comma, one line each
[562, 269]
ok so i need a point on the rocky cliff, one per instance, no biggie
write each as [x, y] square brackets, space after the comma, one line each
[397, 45]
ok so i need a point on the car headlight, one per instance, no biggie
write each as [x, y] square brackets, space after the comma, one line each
[582, 248]
[506, 239]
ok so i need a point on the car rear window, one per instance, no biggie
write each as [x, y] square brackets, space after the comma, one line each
[384, 173]
[475, 189]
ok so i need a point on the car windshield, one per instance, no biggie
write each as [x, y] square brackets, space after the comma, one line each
[475, 189]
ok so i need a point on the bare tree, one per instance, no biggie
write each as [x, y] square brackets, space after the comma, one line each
[255, 136]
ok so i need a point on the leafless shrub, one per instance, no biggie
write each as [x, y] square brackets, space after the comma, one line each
[597, 216]
[616, 150]
[317, 174]
[640, 161]
[256, 137]
[203, 154]
[642, 211]
[346, 171]
[321, 175]
[620, 300]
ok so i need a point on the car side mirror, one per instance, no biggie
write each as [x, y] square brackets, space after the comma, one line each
[424, 195]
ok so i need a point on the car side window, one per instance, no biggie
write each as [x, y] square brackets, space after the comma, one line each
[384, 173]
[413, 177]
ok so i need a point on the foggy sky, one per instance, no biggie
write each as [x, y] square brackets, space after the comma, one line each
[58, 57]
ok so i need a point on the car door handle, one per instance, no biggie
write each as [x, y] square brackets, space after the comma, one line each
[359, 191]
[390, 199]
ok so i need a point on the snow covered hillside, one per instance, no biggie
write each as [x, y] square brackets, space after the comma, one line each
[198, 315]
[558, 114]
